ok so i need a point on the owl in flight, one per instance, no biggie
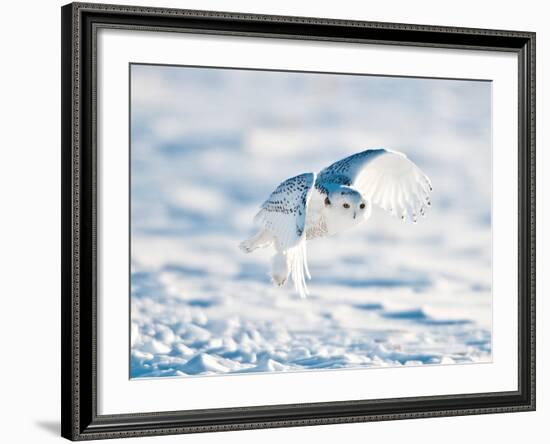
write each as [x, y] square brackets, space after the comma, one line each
[341, 196]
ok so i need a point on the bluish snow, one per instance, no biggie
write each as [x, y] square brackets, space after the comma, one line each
[208, 146]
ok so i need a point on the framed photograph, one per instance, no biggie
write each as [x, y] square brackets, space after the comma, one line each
[281, 221]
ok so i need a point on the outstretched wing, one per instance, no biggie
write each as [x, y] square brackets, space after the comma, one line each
[388, 178]
[284, 215]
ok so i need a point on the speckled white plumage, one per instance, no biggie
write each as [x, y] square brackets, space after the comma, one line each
[341, 196]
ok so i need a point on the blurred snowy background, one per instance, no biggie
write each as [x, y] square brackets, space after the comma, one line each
[209, 146]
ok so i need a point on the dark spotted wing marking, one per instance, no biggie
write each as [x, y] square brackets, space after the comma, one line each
[284, 212]
[344, 171]
[388, 178]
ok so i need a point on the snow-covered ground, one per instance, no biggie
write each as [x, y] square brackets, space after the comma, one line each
[208, 146]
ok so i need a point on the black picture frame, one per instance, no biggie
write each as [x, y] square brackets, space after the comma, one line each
[80, 420]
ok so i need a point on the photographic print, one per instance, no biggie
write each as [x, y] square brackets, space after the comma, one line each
[287, 221]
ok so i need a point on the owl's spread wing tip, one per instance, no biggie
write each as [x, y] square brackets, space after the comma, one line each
[388, 178]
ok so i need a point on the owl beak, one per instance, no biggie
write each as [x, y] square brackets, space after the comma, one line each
[354, 214]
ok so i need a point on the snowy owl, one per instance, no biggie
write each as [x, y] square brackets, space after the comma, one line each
[341, 196]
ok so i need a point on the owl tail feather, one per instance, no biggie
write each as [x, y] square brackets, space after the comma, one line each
[297, 261]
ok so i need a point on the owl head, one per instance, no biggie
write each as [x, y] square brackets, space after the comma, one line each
[345, 207]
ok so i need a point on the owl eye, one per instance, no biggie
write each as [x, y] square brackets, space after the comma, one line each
[327, 201]
[346, 205]
[362, 206]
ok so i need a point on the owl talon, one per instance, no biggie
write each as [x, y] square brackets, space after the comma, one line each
[244, 246]
[279, 281]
